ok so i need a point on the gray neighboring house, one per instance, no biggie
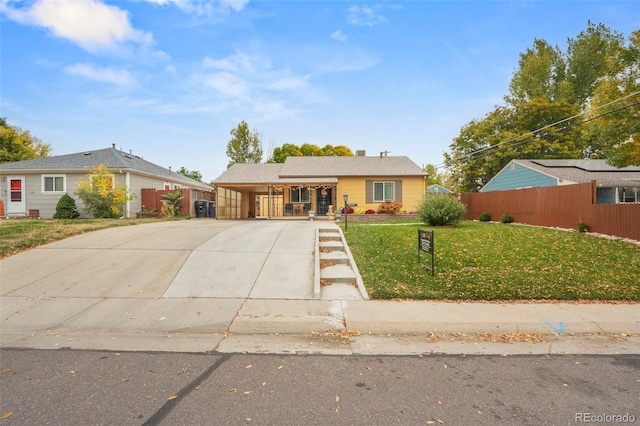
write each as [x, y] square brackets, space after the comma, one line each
[614, 185]
[36, 185]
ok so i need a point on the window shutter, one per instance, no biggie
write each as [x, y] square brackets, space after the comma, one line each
[368, 191]
[398, 191]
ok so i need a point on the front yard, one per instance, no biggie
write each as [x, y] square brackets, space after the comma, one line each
[491, 261]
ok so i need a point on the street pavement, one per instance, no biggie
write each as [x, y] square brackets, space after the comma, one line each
[204, 285]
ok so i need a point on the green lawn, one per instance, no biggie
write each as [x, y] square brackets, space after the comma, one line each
[21, 234]
[491, 261]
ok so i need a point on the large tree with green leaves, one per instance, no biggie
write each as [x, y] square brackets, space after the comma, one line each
[18, 145]
[613, 127]
[280, 154]
[582, 103]
[244, 146]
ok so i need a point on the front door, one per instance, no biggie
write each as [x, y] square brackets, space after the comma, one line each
[323, 200]
[16, 203]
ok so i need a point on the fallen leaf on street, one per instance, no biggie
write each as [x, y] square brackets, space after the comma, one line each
[6, 415]
[172, 397]
[233, 390]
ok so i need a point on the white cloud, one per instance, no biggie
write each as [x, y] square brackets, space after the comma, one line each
[338, 35]
[236, 5]
[104, 75]
[288, 83]
[226, 84]
[204, 7]
[91, 24]
[239, 62]
[365, 16]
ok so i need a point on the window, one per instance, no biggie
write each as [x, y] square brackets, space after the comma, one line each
[383, 191]
[628, 195]
[300, 194]
[54, 183]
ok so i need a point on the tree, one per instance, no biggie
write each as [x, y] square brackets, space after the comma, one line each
[100, 195]
[613, 130]
[548, 96]
[589, 58]
[311, 150]
[541, 74]
[288, 150]
[66, 208]
[244, 146]
[474, 159]
[434, 177]
[193, 174]
[342, 151]
[18, 145]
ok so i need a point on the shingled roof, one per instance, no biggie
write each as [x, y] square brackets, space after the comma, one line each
[581, 171]
[324, 170]
[84, 161]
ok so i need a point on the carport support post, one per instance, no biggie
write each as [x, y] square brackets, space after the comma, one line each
[345, 197]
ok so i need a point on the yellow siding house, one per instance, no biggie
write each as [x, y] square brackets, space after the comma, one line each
[303, 184]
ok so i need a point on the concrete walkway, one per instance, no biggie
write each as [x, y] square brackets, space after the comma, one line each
[247, 286]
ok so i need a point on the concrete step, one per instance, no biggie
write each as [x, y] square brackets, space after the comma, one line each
[341, 292]
[338, 274]
[331, 245]
[333, 236]
[339, 279]
[336, 256]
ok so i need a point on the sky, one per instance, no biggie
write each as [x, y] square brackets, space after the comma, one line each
[169, 79]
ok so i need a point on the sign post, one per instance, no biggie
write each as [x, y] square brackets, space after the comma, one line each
[425, 244]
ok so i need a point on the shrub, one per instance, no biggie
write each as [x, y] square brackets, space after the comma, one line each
[66, 208]
[507, 218]
[359, 210]
[101, 197]
[583, 227]
[441, 210]
[370, 211]
[485, 217]
[389, 207]
[171, 203]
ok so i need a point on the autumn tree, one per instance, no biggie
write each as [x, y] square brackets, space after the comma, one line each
[244, 146]
[19, 145]
[101, 196]
[280, 154]
[582, 103]
[613, 127]
[433, 177]
[286, 150]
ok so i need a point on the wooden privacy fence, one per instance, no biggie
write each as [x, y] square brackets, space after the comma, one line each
[152, 199]
[557, 206]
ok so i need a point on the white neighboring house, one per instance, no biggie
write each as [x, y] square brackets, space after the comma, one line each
[37, 185]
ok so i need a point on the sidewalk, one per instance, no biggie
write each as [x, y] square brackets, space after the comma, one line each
[247, 286]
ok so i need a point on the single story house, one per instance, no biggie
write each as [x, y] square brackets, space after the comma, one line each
[37, 185]
[303, 184]
[438, 189]
[614, 185]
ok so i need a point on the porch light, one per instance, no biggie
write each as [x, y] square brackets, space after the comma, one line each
[345, 197]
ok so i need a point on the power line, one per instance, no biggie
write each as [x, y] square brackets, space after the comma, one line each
[528, 135]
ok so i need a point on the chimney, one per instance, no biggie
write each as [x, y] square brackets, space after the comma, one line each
[361, 153]
[113, 145]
